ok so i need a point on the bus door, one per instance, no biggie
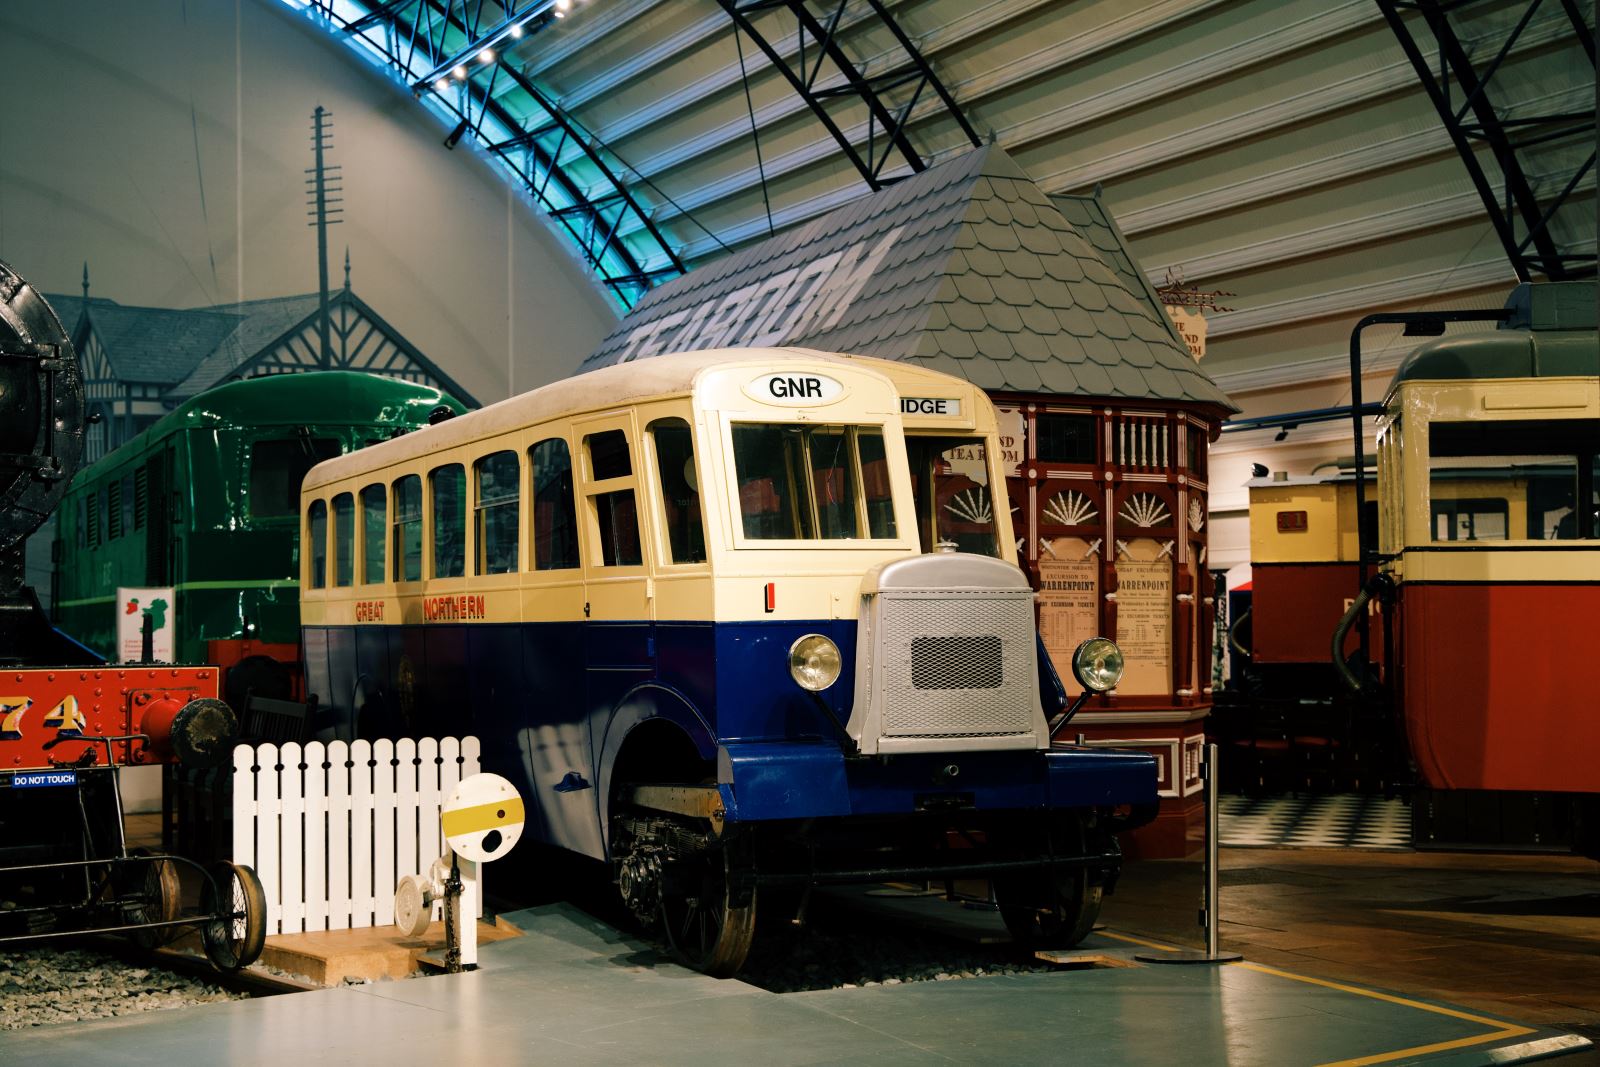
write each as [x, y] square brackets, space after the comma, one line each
[619, 647]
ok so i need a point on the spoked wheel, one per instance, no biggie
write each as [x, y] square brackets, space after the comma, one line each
[1050, 909]
[706, 930]
[236, 916]
[154, 882]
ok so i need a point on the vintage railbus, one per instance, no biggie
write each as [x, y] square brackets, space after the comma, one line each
[206, 502]
[737, 622]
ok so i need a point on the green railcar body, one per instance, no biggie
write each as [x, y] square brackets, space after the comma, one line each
[206, 501]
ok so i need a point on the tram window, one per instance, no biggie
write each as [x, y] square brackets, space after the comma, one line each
[801, 482]
[1064, 438]
[374, 527]
[555, 518]
[125, 497]
[277, 467]
[449, 487]
[408, 529]
[616, 512]
[83, 523]
[1534, 480]
[317, 535]
[114, 510]
[344, 539]
[950, 487]
[680, 492]
[497, 476]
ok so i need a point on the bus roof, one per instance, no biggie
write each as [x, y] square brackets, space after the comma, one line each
[622, 383]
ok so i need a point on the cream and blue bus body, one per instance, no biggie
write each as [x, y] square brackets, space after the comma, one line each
[729, 620]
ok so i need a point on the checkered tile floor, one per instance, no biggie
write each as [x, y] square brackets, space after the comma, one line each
[1346, 820]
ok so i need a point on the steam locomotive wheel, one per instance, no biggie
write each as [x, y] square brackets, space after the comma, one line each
[707, 928]
[236, 928]
[160, 899]
[1054, 909]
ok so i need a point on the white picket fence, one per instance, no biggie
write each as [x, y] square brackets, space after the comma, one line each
[330, 828]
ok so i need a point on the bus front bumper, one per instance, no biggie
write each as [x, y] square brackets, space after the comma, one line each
[774, 781]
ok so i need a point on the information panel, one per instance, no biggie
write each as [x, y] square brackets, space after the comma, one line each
[1144, 618]
[1069, 600]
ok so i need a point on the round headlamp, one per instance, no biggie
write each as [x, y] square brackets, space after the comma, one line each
[1097, 664]
[814, 662]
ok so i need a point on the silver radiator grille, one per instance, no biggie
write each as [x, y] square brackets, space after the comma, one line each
[956, 664]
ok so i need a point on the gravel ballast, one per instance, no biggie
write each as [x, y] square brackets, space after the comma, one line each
[45, 986]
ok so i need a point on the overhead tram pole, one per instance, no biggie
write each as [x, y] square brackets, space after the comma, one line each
[321, 219]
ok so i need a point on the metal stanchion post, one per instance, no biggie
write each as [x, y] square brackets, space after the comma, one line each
[1208, 907]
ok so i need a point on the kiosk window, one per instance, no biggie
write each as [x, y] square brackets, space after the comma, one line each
[555, 519]
[449, 487]
[616, 511]
[278, 467]
[497, 476]
[680, 491]
[1064, 438]
[408, 529]
[317, 535]
[344, 539]
[373, 526]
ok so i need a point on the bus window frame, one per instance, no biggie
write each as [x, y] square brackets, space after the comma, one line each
[309, 576]
[335, 533]
[430, 546]
[362, 540]
[498, 445]
[528, 442]
[663, 547]
[587, 489]
[894, 445]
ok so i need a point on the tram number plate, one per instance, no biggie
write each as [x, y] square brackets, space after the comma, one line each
[36, 779]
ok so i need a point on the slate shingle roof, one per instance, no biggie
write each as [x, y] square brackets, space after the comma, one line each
[158, 346]
[1088, 215]
[967, 268]
[261, 323]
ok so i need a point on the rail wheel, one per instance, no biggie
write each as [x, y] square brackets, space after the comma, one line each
[159, 898]
[707, 924]
[1051, 909]
[235, 929]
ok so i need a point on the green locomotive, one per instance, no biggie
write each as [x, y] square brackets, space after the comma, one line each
[206, 502]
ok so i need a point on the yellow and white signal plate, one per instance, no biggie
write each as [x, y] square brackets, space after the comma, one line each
[482, 819]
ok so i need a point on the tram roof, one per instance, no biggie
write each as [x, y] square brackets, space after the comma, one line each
[1551, 334]
[303, 398]
[656, 378]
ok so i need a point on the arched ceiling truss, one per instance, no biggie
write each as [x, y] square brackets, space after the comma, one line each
[452, 55]
[1513, 155]
[823, 74]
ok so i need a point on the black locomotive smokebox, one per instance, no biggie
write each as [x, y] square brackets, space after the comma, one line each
[41, 409]
[203, 733]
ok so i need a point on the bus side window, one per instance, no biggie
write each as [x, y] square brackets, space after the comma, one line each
[317, 536]
[408, 529]
[373, 528]
[617, 512]
[555, 516]
[344, 539]
[449, 486]
[680, 492]
[497, 476]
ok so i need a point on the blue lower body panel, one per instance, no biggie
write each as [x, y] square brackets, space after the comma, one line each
[763, 782]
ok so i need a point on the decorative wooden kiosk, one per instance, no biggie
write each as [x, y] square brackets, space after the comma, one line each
[969, 268]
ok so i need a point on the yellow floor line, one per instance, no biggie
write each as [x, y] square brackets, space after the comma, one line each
[1499, 1030]
[1138, 941]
